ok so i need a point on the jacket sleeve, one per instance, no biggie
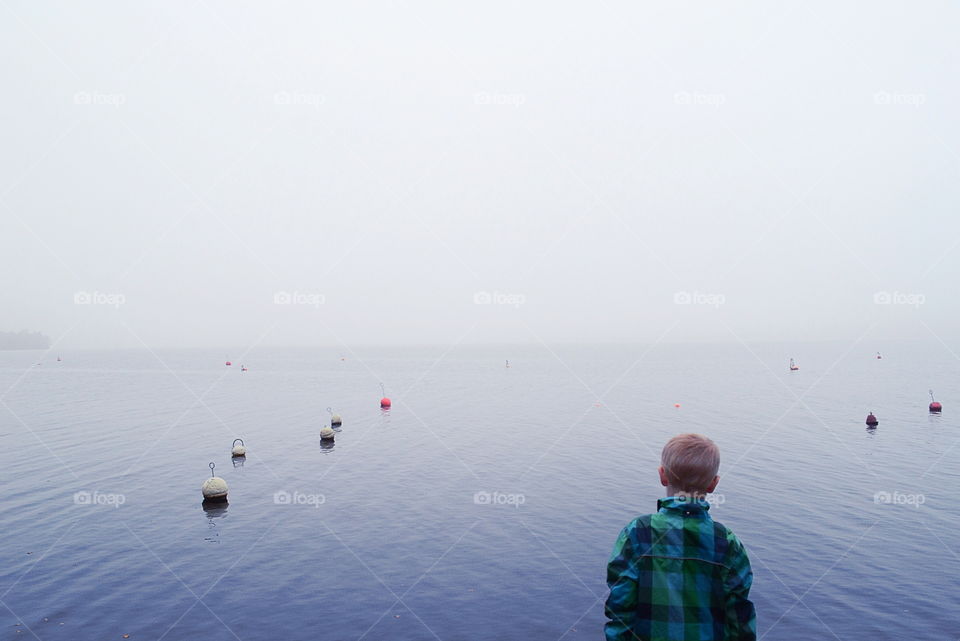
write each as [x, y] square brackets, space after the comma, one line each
[741, 616]
[621, 606]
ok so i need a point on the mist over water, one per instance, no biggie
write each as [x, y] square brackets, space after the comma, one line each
[422, 173]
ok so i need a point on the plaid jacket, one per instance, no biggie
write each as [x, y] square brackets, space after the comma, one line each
[678, 575]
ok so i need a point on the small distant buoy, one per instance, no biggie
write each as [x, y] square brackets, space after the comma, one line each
[238, 450]
[508, 363]
[878, 356]
[229, 363]
[384, 402]
[676, 404]
[872, 420]
[793, 366]
[214, 488]
[335, 419]
[935, 406]
[243, 368]
[327, 433]
[59, 359]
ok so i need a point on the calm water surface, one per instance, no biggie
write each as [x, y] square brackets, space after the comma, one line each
[482, 506]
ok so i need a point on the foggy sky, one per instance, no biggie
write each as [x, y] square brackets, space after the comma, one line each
[221, 173]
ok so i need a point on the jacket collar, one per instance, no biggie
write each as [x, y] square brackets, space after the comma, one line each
[683, 505]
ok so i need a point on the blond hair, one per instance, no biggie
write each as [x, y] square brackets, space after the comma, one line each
[691, 462]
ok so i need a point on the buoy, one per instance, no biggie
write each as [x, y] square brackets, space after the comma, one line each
[327, 433]
[793, 366]
[872, 420]
[59, 359]
[238, 450]
[214, 488]
[676, 404]
[243, 368]
[335, 419]
[229, 363]
[384, 402]
[935, 406]
[878, 356]
[508, 363]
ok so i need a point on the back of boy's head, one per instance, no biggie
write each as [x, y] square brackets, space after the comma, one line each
[691, 462]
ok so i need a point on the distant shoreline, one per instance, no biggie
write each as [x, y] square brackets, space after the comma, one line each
[23, 340]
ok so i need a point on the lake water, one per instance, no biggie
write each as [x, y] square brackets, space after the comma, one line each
[483, 505]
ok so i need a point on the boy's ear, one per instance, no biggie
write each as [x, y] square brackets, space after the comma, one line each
[664, 481]
[713, 484]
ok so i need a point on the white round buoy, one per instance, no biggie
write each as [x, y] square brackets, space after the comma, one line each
[335, 419]
[238, 450]
[214, 488]
[327, 433]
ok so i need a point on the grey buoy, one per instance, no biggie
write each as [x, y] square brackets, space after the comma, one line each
[238, 450]
[335, 419]
[327, 433]
[214, 488]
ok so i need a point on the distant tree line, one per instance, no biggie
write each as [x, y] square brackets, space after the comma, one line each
[23, 340]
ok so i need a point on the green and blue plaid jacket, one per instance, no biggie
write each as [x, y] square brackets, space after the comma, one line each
[678, 575]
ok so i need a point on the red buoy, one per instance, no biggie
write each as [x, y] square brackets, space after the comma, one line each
[936, 407]
[385, 403]
[872, 420]
[229, 363]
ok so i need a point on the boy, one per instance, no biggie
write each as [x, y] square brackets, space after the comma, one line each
[678, 575]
